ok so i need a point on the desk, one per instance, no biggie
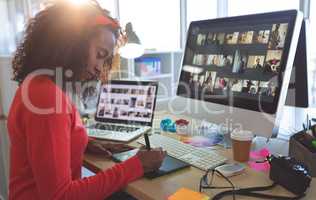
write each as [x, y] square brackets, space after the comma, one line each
[162, 187]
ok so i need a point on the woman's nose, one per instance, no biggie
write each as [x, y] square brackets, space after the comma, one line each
[99, 66]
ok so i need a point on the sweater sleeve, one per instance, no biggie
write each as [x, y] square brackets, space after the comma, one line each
[48, 151]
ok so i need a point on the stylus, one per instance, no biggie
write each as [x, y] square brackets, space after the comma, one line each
[147, 141]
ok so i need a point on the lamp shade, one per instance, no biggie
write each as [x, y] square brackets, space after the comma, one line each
[133, 47]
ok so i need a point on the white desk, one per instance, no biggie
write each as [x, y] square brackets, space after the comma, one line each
[162, 187]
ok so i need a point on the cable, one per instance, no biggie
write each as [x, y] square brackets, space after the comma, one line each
[251, 192]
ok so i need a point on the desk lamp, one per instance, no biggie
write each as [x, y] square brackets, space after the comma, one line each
[133, 47]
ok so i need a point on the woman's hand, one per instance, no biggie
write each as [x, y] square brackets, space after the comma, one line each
[106, 148]
[152, 159]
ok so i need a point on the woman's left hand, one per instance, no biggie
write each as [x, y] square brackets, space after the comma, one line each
[106, 148]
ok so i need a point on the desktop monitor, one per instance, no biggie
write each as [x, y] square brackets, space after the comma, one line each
[297, 106]
[298, 91]
[236, 70]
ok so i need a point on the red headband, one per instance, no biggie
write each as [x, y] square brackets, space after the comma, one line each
[106, 21]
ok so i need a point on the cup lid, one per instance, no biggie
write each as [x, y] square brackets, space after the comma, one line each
[241, 135]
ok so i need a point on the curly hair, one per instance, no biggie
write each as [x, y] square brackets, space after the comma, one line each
[58, 36]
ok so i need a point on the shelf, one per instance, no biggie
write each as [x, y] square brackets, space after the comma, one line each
[162, 51]
[168, 75]
[163, 99]
[169, 70]
[6, 56]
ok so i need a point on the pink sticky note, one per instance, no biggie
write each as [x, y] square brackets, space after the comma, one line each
[259, 156]
[259, 166]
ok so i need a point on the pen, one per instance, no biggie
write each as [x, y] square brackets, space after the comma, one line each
[308, 123]
[147, 141]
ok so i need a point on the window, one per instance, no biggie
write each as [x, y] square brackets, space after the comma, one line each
[313, 26]
[242, 7]
[7, 36]
[313, 49]
[157, 23]
[35, 6]
[201, 9]
[110, 6]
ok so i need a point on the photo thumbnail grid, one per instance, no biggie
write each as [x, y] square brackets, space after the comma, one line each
[243, 62]
[127, 102]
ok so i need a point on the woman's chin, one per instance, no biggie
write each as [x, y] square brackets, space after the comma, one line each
[90, 78]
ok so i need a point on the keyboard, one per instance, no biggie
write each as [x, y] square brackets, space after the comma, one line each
[201, 158]
[111, 127]
[115, 132]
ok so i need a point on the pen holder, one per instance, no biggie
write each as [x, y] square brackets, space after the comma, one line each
[302, 152]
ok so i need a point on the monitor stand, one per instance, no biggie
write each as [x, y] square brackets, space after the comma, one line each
[296, 106]
[298, 97]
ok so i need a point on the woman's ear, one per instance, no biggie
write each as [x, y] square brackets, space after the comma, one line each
[116, 64]
[116, 61]
[112, 71]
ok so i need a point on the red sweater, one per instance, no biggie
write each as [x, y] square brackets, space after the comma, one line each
[47, 149]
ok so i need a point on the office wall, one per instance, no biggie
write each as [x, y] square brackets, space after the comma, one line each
[7, 91]
[4, 157]
[7, 86]
[4, 161]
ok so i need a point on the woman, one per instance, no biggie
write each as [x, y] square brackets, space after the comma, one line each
[47, 136]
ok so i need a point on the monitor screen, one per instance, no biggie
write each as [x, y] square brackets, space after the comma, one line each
[237, 61]
[127, 101]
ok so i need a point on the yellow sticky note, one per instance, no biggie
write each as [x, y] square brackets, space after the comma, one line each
[187, 194]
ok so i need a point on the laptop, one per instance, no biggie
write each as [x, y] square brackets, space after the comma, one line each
[125, 110]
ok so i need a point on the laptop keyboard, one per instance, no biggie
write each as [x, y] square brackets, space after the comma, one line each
[115, 132]
[115, 128]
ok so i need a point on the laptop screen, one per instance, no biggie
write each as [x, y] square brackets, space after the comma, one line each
[131, 102]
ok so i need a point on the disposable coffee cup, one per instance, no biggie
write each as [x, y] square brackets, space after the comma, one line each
[241, 142]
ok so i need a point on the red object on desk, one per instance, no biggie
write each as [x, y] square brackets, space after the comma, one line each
[182, 122]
